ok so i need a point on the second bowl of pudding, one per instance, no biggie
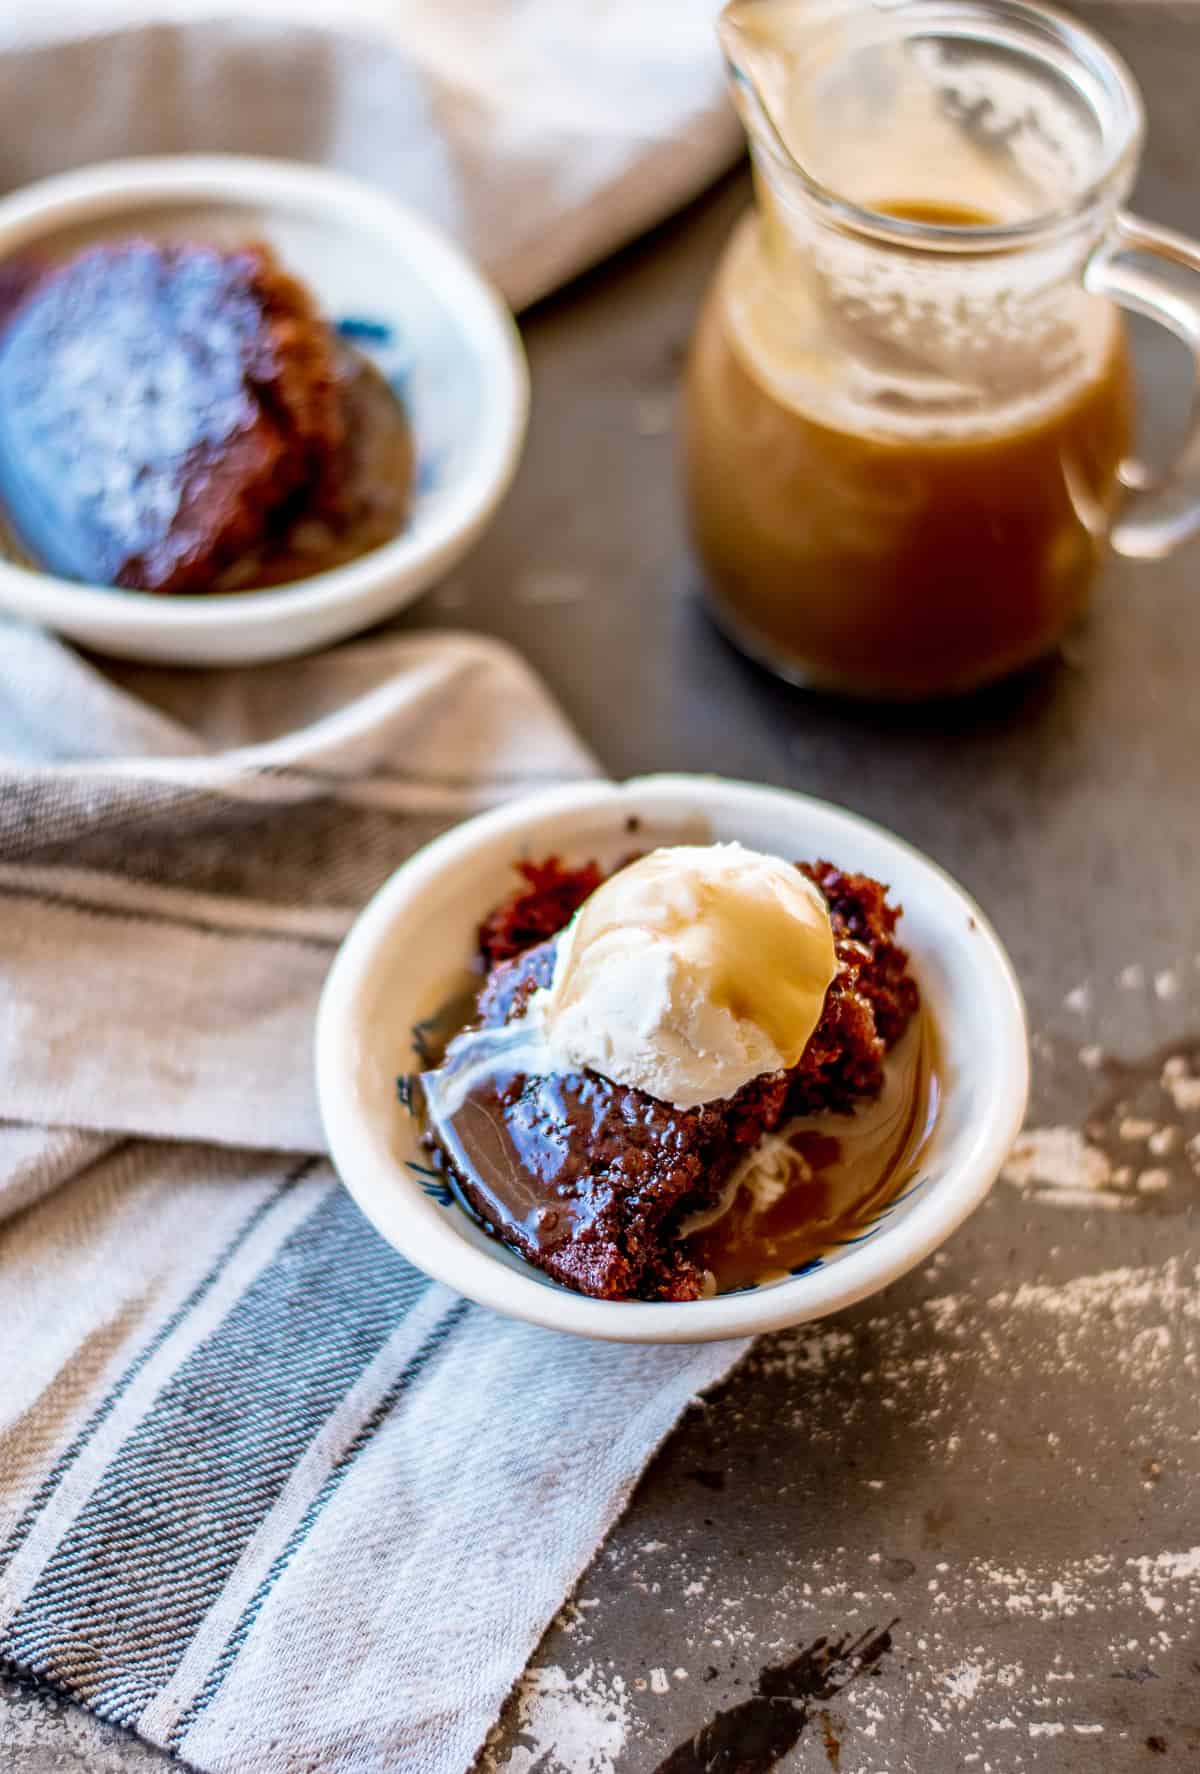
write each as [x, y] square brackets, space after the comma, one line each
[195, 311]
[852, 1122]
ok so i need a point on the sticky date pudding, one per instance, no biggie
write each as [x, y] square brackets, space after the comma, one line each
[623, 1192]
[181, 418]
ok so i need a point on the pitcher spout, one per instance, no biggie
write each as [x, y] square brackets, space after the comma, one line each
[768, 47]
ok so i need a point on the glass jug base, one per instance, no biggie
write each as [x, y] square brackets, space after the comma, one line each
[802, 674]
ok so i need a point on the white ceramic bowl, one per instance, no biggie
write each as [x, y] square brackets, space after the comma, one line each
[418, 931]
[416, 306]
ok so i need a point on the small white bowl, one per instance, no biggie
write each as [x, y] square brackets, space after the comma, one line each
[418, 308]
[419, 931]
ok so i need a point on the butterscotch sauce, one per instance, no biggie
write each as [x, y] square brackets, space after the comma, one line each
[939, 215]
[820, 1180]
[853, 533]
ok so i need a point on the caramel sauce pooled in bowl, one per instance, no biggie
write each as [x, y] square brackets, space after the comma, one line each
[894, 552]
[819, 1181]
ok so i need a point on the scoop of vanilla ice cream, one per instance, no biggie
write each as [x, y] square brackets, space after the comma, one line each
[690, 972]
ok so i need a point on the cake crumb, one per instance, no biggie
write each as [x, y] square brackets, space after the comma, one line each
[1180, 1085]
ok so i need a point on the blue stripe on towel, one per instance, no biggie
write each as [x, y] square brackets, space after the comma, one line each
[434, 1342]
[119, 1601]
[78, 1442]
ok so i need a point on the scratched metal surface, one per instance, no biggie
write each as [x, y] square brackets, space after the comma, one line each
[1000, 1454]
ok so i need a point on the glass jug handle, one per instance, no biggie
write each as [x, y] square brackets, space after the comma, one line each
[1163, 510]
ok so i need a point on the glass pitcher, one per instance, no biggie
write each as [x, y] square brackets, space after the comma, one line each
[908, 408]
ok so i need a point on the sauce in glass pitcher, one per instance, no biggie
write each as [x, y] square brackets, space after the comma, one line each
[895, 552]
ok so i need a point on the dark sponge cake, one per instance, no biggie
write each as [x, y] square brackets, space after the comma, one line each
[591, 1180]
[599, 1175]
[548, 899]
[869, 1004]
[159, 406]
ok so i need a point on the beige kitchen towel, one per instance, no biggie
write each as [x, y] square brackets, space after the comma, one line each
[268, 1496]
[541, 133]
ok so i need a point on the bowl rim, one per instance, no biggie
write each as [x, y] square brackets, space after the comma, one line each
[900, 1245]
[127, 186]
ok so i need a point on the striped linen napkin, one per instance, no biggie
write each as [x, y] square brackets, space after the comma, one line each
[543, 133]
[268, 1497]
